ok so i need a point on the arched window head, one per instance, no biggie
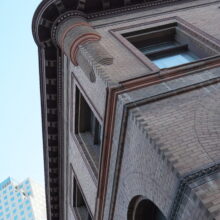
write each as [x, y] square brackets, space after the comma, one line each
[141, 208]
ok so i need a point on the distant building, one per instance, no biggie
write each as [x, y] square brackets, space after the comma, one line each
[130, 95]
[23, 201]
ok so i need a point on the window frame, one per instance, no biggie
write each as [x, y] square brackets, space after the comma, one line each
[74, 182]
[92, 125]
[204, 40]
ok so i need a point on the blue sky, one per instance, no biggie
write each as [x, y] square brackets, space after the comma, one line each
[21, 153]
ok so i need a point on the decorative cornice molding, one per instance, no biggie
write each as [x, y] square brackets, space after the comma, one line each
[188, 179]
[130, 8]
[41, 14]
[61, 19]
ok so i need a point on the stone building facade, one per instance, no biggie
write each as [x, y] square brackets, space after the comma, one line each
[130, 108]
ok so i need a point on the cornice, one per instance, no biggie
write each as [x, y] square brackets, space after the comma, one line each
[130, 8]
[61, 12]
[61, 19]
[186, 181]
[37, 16]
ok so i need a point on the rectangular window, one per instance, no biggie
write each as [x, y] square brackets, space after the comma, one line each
[169, 45]
[88, 130]
[88, 122]
[168, 54]
[79, 204]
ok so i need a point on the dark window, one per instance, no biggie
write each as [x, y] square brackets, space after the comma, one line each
[167, 46]
[142, 209]
[88, 129]
[88, 122]
[147, 210]
[79, 204]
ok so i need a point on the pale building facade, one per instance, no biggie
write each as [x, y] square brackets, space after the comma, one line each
[22, 201]
[130, 108]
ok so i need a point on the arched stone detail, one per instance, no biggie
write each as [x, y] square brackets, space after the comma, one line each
[80, 42]
[131, 207]
[141, 208]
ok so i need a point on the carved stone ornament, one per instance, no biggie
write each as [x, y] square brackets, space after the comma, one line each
[80, 42]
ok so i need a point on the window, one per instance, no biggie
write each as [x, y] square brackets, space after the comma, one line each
[79, 204]
[169, 53]
[170, 44]
[88, 129]
[22, 213]
[27, 202]
[28, 208]
[141, 208]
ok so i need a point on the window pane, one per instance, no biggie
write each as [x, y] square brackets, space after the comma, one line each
[175, 60]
